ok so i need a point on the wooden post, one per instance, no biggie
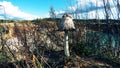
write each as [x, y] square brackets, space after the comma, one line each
[66, 44]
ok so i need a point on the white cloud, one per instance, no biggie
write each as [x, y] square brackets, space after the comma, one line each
[87, 9]
[15, 12]
[46, 16]
[60, 12]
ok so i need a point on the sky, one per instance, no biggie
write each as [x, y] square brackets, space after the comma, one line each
[32, 9]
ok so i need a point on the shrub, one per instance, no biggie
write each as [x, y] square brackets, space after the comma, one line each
[82, 49]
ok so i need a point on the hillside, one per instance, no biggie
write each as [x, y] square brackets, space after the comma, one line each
[39, 43]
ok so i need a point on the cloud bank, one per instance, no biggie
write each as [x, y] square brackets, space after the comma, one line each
[91, 9]
[14, 12]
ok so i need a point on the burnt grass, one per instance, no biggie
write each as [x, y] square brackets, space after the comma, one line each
[57, 59]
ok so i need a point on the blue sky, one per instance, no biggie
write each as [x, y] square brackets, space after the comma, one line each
[32, 9]
[39, 8]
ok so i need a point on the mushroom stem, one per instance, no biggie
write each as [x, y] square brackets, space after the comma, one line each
[66, 44]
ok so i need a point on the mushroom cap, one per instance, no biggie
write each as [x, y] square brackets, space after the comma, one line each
[67, 23]
[66, 15]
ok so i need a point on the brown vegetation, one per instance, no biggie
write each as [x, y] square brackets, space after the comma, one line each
[42, 46]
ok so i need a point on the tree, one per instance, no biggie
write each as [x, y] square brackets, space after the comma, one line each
[52, 12]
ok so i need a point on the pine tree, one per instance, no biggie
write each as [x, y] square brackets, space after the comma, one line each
[52, 12]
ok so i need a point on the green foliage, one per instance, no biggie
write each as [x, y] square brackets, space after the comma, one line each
[83, 50]
[2, 58]
[2, 21]
[38, 64]
[6, 21]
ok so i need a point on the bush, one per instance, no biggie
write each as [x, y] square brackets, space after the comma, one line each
[82, 49]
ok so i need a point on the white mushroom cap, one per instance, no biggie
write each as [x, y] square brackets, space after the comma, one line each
[67, 22]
